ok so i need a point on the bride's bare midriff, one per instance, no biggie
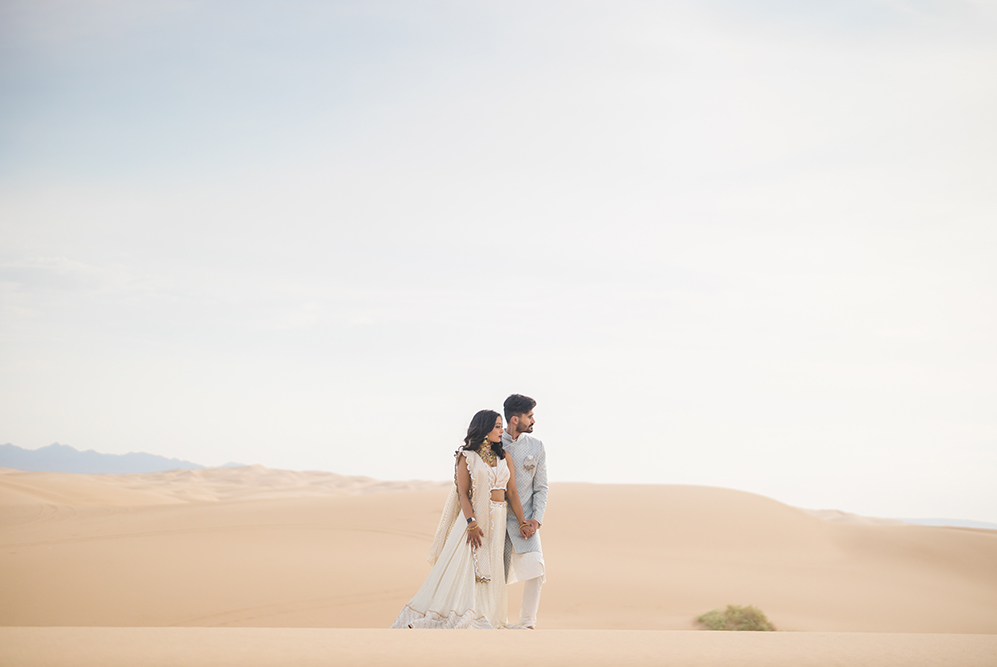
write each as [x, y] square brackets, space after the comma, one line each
[498, 495]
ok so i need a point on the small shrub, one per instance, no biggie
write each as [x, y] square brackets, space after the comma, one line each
[736, 618]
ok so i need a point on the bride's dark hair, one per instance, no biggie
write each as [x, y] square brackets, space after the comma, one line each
[481, 425]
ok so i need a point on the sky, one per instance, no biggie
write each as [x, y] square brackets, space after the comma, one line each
[738, 244]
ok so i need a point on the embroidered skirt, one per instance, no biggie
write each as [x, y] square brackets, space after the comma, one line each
[451, 596]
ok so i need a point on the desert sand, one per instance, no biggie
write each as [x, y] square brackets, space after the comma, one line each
[313, 647]
[97, 563]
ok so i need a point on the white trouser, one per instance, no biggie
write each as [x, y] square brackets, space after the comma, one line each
[531, 601]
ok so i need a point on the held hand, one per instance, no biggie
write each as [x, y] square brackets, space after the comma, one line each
[474, 536]
[534, 525]
[526, 531]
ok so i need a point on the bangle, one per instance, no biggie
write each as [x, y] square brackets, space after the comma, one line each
[525, 523]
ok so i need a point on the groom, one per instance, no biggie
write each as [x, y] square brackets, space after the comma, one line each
[524, 560]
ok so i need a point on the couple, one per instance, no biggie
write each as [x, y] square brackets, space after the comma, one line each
[479, 545]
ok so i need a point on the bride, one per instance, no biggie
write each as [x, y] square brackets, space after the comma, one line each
[466, 587]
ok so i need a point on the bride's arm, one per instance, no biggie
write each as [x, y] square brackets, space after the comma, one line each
[464, 494]
[512, 494]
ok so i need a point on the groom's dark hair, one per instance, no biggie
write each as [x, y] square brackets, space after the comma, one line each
[517, 404]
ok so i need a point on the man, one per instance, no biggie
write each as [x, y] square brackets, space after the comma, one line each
[524, 559]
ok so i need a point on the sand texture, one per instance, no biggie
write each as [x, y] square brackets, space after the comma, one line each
[309, 647]
[257, 548]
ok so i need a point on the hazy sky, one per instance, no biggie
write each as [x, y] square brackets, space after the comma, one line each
[742, 244]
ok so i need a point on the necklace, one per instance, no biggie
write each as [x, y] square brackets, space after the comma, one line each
[486, 454]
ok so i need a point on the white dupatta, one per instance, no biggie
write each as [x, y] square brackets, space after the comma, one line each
[478, 471]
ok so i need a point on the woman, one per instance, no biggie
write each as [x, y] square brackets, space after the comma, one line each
[466, 587]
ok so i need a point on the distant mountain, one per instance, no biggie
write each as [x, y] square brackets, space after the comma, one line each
[62, 458]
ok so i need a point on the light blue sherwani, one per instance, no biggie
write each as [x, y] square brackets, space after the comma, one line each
[527, 456]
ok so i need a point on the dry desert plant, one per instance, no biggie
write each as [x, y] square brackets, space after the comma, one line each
[736, 618]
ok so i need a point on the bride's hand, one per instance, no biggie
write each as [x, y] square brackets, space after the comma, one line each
[474, 536]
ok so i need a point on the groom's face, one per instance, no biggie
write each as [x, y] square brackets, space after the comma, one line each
[525, 422]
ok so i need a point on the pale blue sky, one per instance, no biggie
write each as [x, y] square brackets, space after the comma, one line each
[737, 244]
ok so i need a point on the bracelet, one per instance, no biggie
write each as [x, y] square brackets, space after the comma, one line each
[474, 527]
[524, 524]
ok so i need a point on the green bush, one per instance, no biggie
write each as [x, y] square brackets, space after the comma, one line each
[736, 618]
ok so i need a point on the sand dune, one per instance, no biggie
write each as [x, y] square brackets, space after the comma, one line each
[177, 486]
[253, 547]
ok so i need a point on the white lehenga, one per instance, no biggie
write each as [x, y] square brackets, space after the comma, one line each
[466, 587]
